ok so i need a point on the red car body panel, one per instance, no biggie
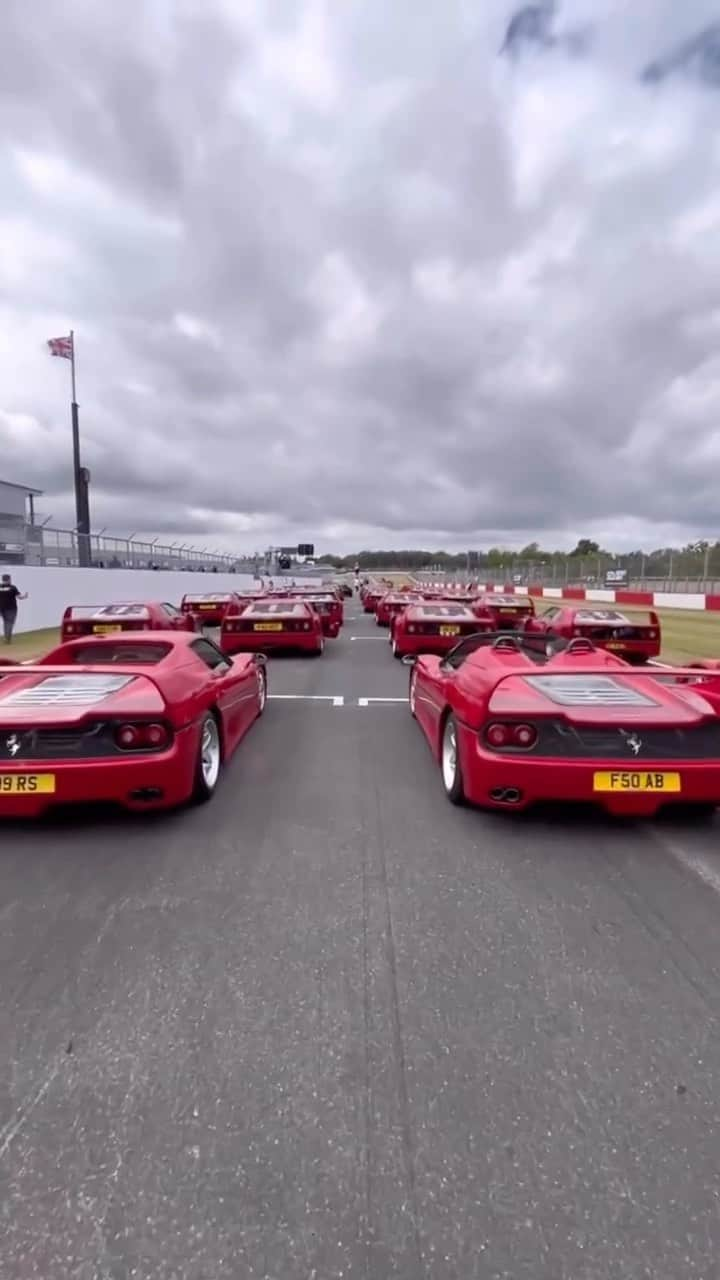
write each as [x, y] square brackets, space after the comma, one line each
[332, 614]
[328, 604]
[371, 597]
[609, 629]
[434, 627]
[507, 613]
[58, 718]
[271, 626]
[594, 715]
[105, 619]
[210, 609]
[391, 605]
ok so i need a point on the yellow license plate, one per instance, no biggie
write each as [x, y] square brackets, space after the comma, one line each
[268, 626]
[449, 631]
[637, 780]
[105, 628]
[616, 646]
[26, 784]
[208, 606]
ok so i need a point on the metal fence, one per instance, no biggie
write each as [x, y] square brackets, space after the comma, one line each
[686, 571]
[42, 545]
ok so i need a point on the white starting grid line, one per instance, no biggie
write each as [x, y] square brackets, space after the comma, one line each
[335, 699]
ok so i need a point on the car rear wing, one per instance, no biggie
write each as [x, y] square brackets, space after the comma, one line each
[222, 598]
[624, 623]
[520, 605]
[92, 612]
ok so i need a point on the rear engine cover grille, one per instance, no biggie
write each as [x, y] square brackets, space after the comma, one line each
[628, 743]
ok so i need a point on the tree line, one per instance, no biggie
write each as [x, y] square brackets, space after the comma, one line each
[694, 558]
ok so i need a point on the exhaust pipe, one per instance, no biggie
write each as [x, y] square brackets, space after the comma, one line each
[506, 795]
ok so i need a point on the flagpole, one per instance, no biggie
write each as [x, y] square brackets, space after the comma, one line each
[72, 363]
[81, 477]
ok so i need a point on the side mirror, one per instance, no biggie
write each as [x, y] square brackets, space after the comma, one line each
[409, 660]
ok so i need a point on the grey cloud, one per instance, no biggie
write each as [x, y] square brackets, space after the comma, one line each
[533, 25]
[360, 279]
[698, 56]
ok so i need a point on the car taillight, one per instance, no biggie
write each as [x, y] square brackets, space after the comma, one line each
[141, 737]
[525, 735]
[578, 631]
[522, 736]
[306, 626]
[156, 735]
[498, 735]
[652, 634]
[411, 628]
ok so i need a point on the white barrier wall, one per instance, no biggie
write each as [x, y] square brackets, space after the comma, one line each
[51, 590]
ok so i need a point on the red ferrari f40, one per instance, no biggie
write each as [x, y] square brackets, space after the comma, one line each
[634, 639]
[111, 619]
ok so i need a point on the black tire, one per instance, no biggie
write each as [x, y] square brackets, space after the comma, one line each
[554, 645]
[411, 693]
[204, 788]
[262, 689]
[454, 789]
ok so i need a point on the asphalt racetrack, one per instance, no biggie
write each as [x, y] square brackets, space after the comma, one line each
[330, 1026]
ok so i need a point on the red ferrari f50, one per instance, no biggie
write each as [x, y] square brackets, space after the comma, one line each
[145, 721]
[510, 727]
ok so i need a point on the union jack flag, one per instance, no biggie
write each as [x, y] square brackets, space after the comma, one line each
[61, 347]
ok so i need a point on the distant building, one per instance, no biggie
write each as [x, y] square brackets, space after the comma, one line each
[20, 538]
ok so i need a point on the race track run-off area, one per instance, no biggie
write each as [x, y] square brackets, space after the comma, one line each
[331, 1026]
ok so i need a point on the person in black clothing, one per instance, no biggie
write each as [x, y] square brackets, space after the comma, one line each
[9, 596]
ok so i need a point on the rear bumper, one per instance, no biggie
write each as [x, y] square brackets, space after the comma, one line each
[270, 642]
[416, 645]
[515, 623]
[331, 628]
[632, 650]
[571, 782]
[213, 618]
[126, 782]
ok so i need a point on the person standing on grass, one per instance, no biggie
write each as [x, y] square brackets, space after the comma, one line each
[9, 596]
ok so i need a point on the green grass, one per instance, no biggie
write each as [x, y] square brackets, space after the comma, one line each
[30, 644]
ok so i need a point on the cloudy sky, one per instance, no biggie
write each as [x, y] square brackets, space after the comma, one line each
[341, 272]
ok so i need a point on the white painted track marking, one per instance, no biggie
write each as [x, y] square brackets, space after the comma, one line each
[365, 702]
[337, 700]
[369, 638]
